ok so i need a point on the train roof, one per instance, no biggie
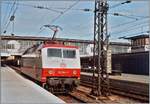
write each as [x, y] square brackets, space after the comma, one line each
[37, 47]
[59, 45]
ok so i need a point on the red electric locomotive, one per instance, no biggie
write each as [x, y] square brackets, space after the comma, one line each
[56, 66]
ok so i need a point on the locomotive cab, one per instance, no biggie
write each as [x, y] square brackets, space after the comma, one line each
[61, 66]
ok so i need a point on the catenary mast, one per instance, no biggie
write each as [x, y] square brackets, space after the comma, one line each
[100, 49]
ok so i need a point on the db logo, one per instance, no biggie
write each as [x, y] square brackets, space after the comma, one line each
[63, 65]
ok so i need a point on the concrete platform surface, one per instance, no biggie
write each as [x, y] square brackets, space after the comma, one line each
[18, 90]
[132, 78]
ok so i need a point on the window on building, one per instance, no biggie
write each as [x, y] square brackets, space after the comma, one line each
[147, 41]
[10, 46]
[136, 42]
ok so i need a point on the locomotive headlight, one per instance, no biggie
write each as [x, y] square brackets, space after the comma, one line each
[51, 72]
[74, 72]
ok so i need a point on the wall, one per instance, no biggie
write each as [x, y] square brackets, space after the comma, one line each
[132, 63]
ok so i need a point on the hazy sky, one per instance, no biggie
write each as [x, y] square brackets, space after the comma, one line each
[76, 24]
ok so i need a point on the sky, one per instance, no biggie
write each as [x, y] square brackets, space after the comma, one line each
[75, 23]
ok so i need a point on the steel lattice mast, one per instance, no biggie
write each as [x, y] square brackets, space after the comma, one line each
[100, 49]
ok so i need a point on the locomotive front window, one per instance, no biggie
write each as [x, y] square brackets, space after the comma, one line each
[54, 52]
[69, 54]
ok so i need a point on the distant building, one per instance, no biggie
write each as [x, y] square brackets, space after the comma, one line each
[140, 43]
[16, 45]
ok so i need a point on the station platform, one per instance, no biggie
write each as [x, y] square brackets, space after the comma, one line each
[16, 89]
[126, 77]
[131, 77]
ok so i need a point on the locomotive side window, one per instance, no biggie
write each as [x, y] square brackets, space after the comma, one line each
[69, 54]
[51, 52]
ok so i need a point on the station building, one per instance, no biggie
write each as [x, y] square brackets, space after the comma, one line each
[16, 45]
[140, 43]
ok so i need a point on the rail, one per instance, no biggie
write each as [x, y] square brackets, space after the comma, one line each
[124, 88]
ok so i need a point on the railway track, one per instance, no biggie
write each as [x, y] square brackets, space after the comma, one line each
[82, 93]
[127, 89]
[68, 98]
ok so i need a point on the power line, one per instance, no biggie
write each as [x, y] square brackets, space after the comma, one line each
[119, 4]
[139, 16]
[7, 20]
[111, 7]
[11, 17]
[138, 33]
[53, 20]
[70, 7]
[130, 27]
[144, 22]
[4, 18]
[130, 15]
[128, 30]
[80, 9]
[86, 9]
[119, 14]
[38, 7]
[127, 23]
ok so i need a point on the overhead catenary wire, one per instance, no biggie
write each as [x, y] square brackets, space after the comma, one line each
[62, 13]
[130, 27]
[56, 18]
[127, 23]
[50, 8]
[54, 8]
[123, 15]
[70, 7]
[6, 24]
[36, 6]
[4, 18]
[84, 9]
[12, 17]
[119, 4]
[128, 30]
[135, 24]
[11, 9]
[133, 34]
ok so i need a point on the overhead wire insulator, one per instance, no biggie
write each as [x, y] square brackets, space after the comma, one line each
[12, 18]
[40, 7]
[116, 14]
[128, 1]
[87, 10]
[4, 31]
